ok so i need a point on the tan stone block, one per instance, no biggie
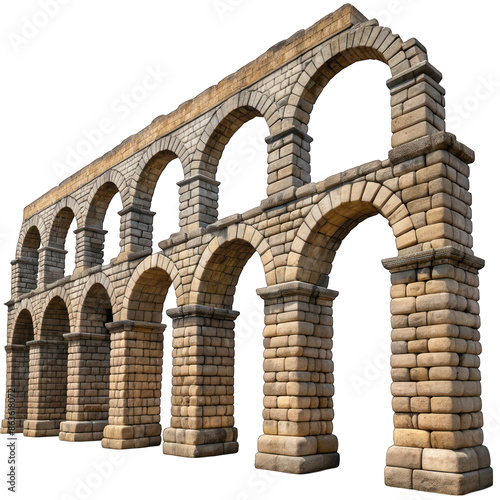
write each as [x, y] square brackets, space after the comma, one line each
[445, 482]
[287, 445]
[327, 443]
[420, 405]
[415, 438]
[398, 477]
[439, 422]
[464, 460]
[406, 457]
[401, 404]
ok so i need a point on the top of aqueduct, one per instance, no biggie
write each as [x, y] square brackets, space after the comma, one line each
[274, 58]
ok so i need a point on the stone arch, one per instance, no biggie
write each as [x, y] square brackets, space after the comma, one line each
[23, 328]
[25, 306]
[62, 216]
[104, 188]
[148, 287]
[94, 280]
[367, 42]
[331, 220]
[222, 262]
[152, 163]
[34, 225]
[25, 268]
[226, 121]
[62, 294]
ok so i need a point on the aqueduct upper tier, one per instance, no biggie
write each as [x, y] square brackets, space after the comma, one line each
[84, 350]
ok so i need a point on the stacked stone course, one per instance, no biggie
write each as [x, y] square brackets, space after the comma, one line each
[85, 350]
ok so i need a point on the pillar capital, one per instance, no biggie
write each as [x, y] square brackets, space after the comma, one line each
[90, 229]
[135, 326]
[198, 178]
[202, 311]
[411, 74]
[52, 250]
[15, 347]
[287, 134]
[136, 209]
[45, 342]
[433, 142]
[434, 257]
[294, 288]
[69, 337]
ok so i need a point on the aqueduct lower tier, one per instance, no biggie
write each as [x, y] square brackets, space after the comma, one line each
[84, 352]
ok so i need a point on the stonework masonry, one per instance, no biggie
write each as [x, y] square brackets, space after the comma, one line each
[84, 352]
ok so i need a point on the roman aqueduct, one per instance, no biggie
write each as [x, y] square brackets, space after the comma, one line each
[84, 351]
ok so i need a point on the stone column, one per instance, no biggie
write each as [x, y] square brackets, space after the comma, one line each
[438, 441]
[89, 247]
[24, 275]
[298, 379]
[198, 202]
[289, 160]
[47, 387]
[134, 385]
[417, 103]
[52, 263]
[16, 395]
[136, 231]
[202, 421]
[88, 387]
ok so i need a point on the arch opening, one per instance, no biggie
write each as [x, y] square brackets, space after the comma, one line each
[165, 200]
[89, 366]
[103, 225]
[145, 302]
[48, 371]
[18, 363]
[362, 322]
[222, 272]
[222, 134]
[29, 262]
[56, 255]
[352, 104]
[242, 168]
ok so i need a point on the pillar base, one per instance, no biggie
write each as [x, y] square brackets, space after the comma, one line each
[18, 427]
[197, 443]
[82, 431]
[297, 465]
[448, 483]
[41, 428]
[200, 450]
[124, 437]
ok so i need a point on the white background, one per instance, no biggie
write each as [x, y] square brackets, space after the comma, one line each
[61, 80]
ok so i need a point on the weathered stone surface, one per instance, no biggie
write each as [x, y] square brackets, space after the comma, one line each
[85, 350]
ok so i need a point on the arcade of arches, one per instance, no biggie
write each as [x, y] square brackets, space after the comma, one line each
[85, 350]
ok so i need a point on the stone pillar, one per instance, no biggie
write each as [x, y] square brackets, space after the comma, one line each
[52, 262]
[134, 385]
[47, 387]
[136, 231]
[89, 247]
[202, 421]
[298, 379]
[417, 103]
[198, 202]
[24, 275]
[88, 387]
[438, 441]
[289, 160]
[16, 395]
